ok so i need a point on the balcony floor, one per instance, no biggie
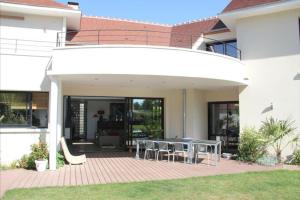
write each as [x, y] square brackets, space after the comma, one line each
[118, 167]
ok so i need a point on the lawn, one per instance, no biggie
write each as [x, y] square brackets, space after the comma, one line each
[259, 185]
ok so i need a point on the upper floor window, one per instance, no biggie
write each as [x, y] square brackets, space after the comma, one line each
[228, 48]
[24, 109]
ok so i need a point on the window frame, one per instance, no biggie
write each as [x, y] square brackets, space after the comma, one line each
[29, 112]
[224, 44]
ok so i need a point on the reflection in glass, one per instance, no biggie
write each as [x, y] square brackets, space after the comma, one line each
[14, 108]
[147, 118]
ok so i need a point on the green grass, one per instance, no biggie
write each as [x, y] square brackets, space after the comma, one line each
[247, 186]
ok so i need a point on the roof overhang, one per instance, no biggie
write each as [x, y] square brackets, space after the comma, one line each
[230, 18]
[73, 16]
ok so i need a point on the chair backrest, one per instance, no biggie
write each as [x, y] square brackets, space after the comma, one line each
[201, 148]
[163, 146]
[178, 147]
[149, 145]
[65, 147]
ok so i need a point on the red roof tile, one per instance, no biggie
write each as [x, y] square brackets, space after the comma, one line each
[114, 31]
[240, 4]
[42, 3]
[186, 34]
[98, 30]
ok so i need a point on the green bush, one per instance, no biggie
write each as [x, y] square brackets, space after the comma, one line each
[38, 152]
[252, 145]
[276, 132]
[60, 159]
[23, 162]
[296, 158]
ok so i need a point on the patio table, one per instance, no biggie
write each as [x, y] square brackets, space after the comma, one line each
[191, 143]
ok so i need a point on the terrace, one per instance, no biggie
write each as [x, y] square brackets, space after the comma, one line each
[119, 167]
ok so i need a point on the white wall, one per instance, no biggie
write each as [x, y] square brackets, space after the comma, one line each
[23, 68]
[14, 143]
[271, 51]
[23, 64]
[197, 108]
[196, 114]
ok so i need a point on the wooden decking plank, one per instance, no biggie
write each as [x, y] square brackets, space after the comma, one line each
[127, 175]
[96, 171]
[102, 169]
[113, 168]
[83, 174]
[89, 177]
[67, 180]
[78, 175]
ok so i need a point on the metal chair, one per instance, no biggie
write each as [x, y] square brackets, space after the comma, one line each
[179, 150]
[150, 147]
[202, 150]
[163, 147]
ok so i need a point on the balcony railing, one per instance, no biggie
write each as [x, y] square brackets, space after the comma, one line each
[143, 37]
[26, 47]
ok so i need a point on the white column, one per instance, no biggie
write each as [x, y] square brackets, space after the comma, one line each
[184, 112]
[59, 126]
[55, 95]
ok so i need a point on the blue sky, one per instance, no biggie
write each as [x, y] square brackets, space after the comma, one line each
[160, 11]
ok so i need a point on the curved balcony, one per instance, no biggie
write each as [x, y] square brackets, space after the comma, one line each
[146, 65]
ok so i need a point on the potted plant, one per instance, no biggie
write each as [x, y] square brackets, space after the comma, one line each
[40, 155]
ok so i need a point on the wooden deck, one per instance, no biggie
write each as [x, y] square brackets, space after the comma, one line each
[116, 167]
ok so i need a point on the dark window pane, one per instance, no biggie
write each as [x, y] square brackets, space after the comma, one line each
[228, 48]
[40, 109]
[217, 48]
[231, 49]
[14, 108]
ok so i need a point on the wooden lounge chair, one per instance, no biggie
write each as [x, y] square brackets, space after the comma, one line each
[72, 160]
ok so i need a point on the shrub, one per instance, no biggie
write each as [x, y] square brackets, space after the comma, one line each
[38, 152]
[296, 158]
[23, 162]
[276, 131]
[60, 159]
[252, 145]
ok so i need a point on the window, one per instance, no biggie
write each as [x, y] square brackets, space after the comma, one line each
[228, 48]
[24, 109]
[223, 122]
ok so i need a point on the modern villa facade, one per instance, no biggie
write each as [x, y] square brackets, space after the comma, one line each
[113, 80]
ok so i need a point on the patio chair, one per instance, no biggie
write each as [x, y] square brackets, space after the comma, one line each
[72, 160]
[179, 150]
[202, 150]
[150, 147]
[163, 147]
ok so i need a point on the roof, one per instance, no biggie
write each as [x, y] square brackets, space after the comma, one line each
[109, 31]
[196, 27]
[41, 3]
[120, 31]
[94, 22]
[240, 4]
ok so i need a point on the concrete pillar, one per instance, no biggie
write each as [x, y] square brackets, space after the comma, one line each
[55, 120]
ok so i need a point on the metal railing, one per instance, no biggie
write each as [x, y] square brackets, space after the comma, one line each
[141, 37]
[26, 47]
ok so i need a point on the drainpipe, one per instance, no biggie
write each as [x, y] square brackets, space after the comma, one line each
[184, 112]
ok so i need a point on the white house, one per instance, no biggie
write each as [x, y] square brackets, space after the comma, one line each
[110, 80]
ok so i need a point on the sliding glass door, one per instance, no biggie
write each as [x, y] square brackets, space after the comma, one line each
[223, 124]
[145, 118]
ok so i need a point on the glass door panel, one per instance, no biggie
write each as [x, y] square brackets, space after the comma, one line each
[223, 119]
[146, 118]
